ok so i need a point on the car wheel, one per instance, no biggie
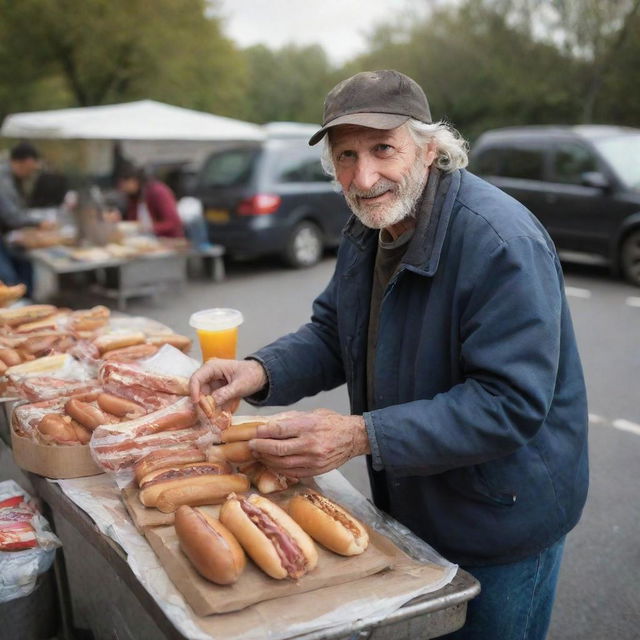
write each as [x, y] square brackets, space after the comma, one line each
[630, 258]
[305, 245]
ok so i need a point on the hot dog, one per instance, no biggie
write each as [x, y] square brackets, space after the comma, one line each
[209, 545]
[110, 341]
[266, 480]
[236, 452]
[86, 414]
[269, 536]
[129, 354]
[328, 523]
[218, 486]
[165, 458]
[175, 340]
[188, 470]
[120, 407]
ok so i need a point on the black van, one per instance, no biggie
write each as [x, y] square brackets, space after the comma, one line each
[582, 182]
[271, 197]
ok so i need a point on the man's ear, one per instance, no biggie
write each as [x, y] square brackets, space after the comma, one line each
[430, 154]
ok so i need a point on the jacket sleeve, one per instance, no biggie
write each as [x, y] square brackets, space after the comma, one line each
[306, 362]
[163, 211]
[510, 328]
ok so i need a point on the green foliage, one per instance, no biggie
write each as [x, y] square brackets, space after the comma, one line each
[287, 84]
[104, 51]
[482, 63]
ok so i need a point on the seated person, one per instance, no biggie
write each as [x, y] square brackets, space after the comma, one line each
[150, 202]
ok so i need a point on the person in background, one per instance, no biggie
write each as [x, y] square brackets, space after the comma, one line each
[17, 183]
[150, 202]
[447, 319]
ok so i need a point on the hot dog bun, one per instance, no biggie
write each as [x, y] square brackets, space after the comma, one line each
[131, 353]
[174, 339]
[219, 486]
[166, 458]
[110, 341]
[214, 491]
[209, 545]
[238, 432]
[328, 523]
[232, 451]
[248, 518]
[266, 480]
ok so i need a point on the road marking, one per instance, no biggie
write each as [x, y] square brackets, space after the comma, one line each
[627, 425]
[633, 301]
[575, 292]
[596, 419]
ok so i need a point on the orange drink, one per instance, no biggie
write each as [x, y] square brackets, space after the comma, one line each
[217, 331]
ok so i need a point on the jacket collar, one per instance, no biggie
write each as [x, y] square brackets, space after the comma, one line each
[425, 247]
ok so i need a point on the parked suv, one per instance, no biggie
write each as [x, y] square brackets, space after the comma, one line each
[582, 182]
[271, 198]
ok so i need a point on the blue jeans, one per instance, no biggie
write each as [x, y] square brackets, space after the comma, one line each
[516, 599]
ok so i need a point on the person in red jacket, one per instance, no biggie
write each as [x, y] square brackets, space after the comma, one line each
[150, 202]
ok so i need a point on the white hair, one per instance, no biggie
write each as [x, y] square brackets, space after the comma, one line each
[451, 147]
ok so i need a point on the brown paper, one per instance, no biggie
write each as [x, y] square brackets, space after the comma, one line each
[284, 615]
[254, 585]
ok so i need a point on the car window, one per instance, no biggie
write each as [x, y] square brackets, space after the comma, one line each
[522, 162]
[488, 162]
[570, 161]
[232, 167]
[304, 171]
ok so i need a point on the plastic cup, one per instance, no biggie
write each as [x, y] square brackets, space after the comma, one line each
[217, 331]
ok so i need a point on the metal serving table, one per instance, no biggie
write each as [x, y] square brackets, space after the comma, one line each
[99, 597]
[119, 278]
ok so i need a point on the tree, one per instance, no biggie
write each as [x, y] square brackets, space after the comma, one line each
[106, 51]
[287, 84]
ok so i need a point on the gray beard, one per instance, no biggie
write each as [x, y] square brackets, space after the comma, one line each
[407, 193]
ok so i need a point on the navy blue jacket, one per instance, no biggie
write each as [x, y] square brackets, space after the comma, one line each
[480, 416]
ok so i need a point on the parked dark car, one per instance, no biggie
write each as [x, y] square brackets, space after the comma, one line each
[271, 198]
[582, 182]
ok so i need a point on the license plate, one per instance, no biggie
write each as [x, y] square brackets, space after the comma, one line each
[217, 216]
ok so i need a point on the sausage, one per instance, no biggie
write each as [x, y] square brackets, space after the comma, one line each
[84, 413]
[10, 357]
[57, 428]
[120, 407]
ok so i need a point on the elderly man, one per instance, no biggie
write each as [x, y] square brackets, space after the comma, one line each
[446, 317]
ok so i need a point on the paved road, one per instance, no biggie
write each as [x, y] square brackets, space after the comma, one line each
[598, 595]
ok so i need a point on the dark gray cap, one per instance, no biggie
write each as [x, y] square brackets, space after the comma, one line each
[377, 99]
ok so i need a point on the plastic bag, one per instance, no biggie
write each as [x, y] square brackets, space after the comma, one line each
[27, 544]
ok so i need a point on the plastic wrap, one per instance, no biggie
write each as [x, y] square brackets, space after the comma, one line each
[65, 376]
[27, 416]
[161, 380]
[22, 526]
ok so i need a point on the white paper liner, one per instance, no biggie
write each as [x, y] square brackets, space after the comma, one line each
[99, 497]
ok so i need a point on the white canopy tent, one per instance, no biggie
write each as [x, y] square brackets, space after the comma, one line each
[142, 120]
[148, 131]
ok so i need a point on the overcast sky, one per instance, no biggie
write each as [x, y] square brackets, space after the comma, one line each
[340, 26]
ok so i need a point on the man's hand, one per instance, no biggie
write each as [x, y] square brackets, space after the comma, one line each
[227, 381]
[301, 444]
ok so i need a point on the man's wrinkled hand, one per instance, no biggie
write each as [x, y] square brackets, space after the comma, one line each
[227, 381]
[304, 444]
